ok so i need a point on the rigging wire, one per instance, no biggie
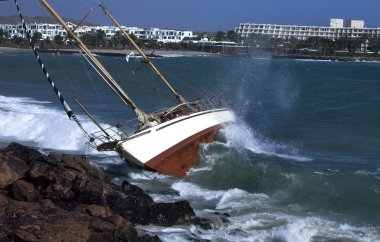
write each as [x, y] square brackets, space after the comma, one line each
[92, 82]
[58, 60]
[174, 77]
[141, 66]
[202, 92]
[66, 77]
[155, 86]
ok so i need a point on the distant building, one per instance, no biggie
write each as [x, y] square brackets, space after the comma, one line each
[47, 30]
[353, 29]
[51, 30]
[355, 24]
[336, 23]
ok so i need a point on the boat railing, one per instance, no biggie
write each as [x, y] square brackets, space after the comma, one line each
[114, 133]
[193, 107]
[123, 131]
[208, 104]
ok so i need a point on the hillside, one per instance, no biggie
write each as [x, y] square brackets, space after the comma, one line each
[15, 19]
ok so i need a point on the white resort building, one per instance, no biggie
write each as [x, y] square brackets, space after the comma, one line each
[51, 30]
[337, 29]
[161, 35]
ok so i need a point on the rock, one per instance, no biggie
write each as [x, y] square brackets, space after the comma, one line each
[4, 238]
[24, 191]
[11, 170]
[22, 152]
[96, 210]
[4, 200]
[167, 214]
[22, 235]
[41, 170]
[65, 198]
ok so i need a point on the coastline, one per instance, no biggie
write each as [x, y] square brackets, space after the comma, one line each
[328, 58]
[116, 52]
[179, 53]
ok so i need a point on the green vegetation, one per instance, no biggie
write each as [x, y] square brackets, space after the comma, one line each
[3, 36]
[58, 40]
[36, 37]
[254, 44]
[316, 45]
[17, 40]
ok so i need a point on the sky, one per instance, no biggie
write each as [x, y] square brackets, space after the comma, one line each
[207, 15]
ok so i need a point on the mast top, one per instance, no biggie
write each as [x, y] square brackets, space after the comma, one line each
[141, 116]
[147, 60]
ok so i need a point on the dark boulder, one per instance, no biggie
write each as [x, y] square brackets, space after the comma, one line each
[11, 169]
[65, 198]
[24, 191]
[22, 152]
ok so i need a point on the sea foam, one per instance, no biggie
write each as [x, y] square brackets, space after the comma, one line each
[26, 120]
[240, 135]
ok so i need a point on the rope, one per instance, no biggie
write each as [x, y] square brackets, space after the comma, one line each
[92, 82]
[67, 108]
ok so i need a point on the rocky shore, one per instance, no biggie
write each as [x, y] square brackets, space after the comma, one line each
[59, 197]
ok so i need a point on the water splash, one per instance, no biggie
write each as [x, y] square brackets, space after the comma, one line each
[26, 120]
[241, 136]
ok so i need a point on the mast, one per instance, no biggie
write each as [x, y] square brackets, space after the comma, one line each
[65, 106]
[179, 98]
[141, 116]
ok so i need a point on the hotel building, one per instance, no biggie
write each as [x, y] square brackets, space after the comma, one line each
[51, 30]
[352, 29]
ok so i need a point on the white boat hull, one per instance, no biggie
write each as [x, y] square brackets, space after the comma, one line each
[171, 147]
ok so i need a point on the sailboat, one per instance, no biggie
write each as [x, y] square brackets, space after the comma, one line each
[166, 141]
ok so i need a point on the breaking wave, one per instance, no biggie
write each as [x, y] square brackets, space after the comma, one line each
[32, 122]
[241, 136]
[253, 217]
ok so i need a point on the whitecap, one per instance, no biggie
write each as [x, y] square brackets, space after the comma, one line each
[241, 136]
[26, 120]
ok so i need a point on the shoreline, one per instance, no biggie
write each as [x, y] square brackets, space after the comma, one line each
[115, 52]
[180, 53]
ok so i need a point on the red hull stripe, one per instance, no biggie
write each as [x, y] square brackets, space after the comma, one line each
[178, 159]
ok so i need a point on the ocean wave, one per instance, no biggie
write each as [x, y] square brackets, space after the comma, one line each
[241, 136]
[375, 174]
[172, 55]
[189, 190]
[31, 121]
[313, 60]
[252, 217]
[147, 175]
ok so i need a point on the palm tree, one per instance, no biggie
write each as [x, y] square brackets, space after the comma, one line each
[58, 40]
[220, 36]
[36, 37]
[232, 36]
[3, 35]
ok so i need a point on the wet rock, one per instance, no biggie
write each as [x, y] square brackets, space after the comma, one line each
[4, 200]
[41, 172]
[168, 214]
[65, 198]
[96, 210]
[22, 152]
[24, 191]
[22, 235]
[11, 169]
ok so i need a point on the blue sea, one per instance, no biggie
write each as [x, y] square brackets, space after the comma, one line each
[302, 162]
